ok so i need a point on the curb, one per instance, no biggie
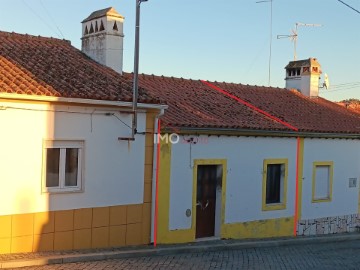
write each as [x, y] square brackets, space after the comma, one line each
[163, 250]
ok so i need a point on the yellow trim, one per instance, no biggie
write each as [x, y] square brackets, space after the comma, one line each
[277, 206]
[331, 172]
[198, 162]
[279, 227]
[61, 230]
[300, 175]
[164, 235]
[358, 200]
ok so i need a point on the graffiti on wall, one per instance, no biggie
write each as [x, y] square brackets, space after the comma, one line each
[329, 225]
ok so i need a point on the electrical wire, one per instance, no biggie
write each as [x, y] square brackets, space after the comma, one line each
[349, 6]
[344, 86]
[341, 89]
[52, 19]
[62, 111]
[40, 18]
[121, 120]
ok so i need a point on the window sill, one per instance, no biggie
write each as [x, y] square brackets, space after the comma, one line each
[274, 206]
[321, 200]
[62, 191]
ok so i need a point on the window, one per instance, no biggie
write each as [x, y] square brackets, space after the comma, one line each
[274, 184]
[62, 168]
[322, 181]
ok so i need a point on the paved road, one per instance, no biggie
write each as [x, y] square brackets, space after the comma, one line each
[342, 255]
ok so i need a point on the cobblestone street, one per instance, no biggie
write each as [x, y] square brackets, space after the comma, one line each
[340, 255]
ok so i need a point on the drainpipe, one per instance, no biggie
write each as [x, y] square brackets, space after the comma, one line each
[155, 181]
[136, 69]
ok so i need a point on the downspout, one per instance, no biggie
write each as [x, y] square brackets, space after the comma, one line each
[155, 182]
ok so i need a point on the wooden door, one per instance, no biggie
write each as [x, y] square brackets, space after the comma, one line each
[206, 200]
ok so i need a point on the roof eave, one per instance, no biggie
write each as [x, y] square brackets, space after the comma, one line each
[10, 96]
[259, 132]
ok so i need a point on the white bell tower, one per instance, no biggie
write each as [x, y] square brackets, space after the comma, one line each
[304, 75]
[102, 38]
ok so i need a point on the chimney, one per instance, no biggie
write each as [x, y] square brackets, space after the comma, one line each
[304, 75]
[102, 38]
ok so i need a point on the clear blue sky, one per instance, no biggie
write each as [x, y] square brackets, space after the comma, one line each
[224, 40]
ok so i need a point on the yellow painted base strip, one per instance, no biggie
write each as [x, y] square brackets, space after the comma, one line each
[259, 229]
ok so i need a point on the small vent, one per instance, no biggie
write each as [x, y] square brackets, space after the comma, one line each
[91, 29]
[352, 182]
[96, 27]
[86, 31]
[102, 26]
[115, 28]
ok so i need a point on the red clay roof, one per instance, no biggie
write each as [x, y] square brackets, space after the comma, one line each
[196, 105]
[52, 67]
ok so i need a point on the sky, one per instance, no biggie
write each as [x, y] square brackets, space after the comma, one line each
[216, 40]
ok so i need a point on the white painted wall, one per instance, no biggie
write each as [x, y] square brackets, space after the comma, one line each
[308, 85]
[114, 170]
[293, 83]
[245, 156]
[346, 157]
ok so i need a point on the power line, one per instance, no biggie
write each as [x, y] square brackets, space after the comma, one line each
[344, 86]
[349, 6]
[340, 84]
[52, 19]
[342, 89]
[37, 15]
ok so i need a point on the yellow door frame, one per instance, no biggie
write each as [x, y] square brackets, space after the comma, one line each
[164, 235]
[197, 162]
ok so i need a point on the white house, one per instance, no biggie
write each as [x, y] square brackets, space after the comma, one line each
[254, 162]
[71, 174]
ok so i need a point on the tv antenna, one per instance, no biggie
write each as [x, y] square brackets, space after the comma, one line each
[294, 34]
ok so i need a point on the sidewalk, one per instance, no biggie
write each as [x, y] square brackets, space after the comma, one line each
[43, 258]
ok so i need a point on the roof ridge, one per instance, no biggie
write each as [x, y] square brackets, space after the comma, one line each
[199, 80]
[27, 36]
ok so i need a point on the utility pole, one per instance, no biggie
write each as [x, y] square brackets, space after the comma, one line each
[294, 36]
[136, 67]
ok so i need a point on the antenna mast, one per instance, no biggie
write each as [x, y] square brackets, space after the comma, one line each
[294, 35]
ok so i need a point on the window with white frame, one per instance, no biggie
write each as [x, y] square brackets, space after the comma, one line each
[322, 181]
[62, 166]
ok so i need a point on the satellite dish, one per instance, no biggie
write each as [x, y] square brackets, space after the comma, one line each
[326, 83]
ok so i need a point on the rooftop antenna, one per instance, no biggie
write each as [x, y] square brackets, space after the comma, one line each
[294, 35]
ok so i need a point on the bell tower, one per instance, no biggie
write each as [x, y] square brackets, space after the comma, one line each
[304, 76]
[102, 38]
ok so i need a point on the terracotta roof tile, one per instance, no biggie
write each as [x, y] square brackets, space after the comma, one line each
[193, 104]
[51, 67]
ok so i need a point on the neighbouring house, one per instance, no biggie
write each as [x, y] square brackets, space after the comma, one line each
[253, 161]
[351, 104]
[68, 181]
